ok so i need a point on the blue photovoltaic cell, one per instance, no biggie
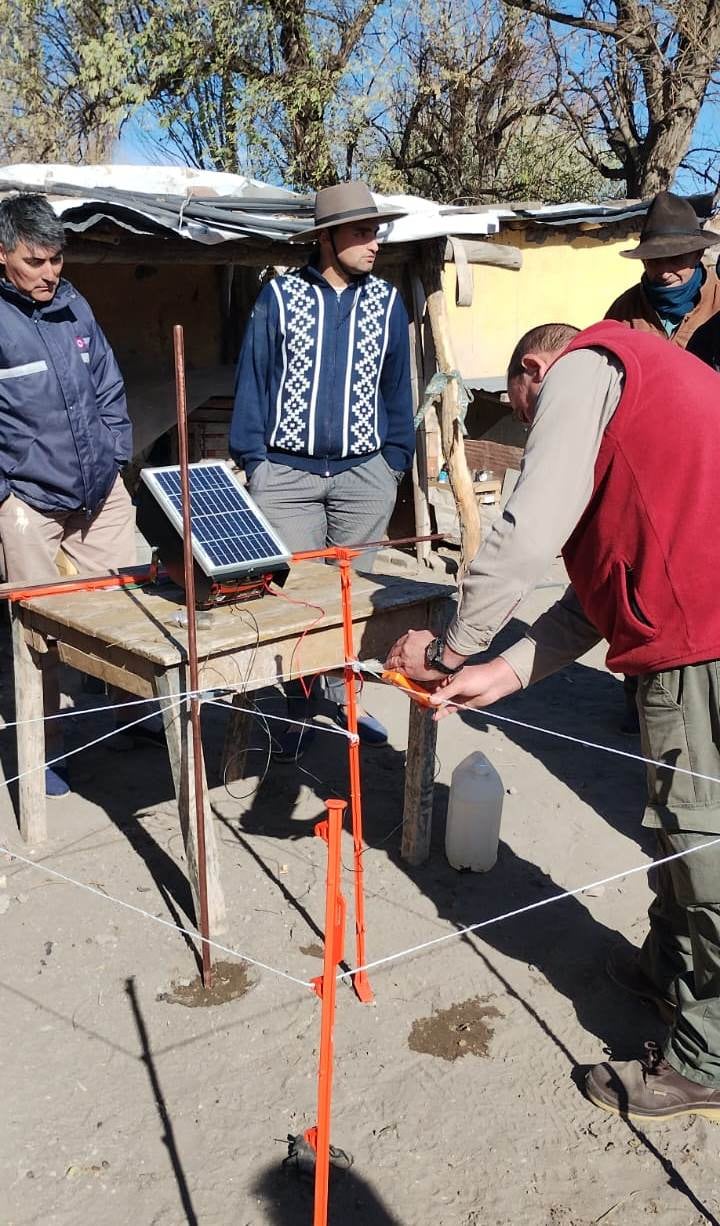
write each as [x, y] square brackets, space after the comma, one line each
[224, 523]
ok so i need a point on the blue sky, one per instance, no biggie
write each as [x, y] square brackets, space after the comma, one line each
[133, 149]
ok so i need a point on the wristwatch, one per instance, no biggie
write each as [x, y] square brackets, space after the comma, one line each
[434, 658]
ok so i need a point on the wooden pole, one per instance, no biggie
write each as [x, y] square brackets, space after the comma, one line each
[418, 369]
[450, 428]
[179, 348]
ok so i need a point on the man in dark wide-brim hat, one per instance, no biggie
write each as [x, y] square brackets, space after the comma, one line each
[675, 294]
[323, 416]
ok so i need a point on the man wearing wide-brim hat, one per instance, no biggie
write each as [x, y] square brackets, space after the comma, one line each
[675, 294]
[323, 416]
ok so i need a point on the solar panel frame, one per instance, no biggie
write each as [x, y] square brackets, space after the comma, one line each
[217, 495]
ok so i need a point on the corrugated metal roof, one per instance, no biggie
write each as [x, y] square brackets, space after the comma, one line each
[211, 207]
[207, 207]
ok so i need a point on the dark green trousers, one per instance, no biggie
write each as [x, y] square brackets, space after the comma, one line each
[680, 724]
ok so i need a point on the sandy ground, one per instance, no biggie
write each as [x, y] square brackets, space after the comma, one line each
[458, 1093]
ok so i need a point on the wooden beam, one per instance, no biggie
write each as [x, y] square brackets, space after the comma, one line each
[419, 784]
[496, 254]
[263, 253]
[30, 733]
[450, 426]
[419, 377]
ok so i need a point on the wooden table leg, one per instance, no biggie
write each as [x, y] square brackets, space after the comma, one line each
[178, 732]
[237, 735]
[419, 785]
[30, 736]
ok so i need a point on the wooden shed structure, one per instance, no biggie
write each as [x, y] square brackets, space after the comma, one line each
[153, 246]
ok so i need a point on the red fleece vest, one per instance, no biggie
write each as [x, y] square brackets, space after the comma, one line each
[644, 558]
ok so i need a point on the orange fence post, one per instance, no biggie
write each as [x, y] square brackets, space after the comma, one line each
[344, 558]
[361, 982]
[326, 987]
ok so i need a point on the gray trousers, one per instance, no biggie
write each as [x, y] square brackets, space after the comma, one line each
[314, 512]
[680, 724]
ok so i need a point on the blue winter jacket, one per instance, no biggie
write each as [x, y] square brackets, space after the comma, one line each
[323, 379]
[64, 426]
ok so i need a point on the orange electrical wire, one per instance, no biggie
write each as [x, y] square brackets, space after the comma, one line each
[305, 604]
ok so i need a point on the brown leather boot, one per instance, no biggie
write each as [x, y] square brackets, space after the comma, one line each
[649, 1089]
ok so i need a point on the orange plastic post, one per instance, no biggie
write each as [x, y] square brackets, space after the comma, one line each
[361, 982]
[326, 988]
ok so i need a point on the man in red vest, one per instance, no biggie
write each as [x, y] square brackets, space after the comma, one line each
[621, 471]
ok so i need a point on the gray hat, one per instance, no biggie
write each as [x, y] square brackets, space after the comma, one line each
[671, 228]
[335, 206]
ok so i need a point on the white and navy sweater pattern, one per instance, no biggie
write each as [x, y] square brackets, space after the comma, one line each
[302, 323]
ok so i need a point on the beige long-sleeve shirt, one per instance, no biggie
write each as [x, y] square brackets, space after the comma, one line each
[577, 400]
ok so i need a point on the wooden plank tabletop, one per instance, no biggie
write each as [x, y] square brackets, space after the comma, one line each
[143, 621]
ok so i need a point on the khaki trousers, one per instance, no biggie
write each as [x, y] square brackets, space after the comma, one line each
[97, 544]
[31, 540]
[680, 724]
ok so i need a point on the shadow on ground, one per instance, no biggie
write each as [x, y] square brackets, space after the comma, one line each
[564, 942]
[287, 1199]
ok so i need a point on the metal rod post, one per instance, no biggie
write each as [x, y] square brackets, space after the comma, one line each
[179, 348]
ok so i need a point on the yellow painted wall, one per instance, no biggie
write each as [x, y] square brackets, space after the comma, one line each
[564, 278]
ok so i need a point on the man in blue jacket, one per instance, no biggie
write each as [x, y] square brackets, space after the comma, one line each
[65, 434]
[323, 417]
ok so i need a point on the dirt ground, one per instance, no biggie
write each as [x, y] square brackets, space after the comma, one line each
[458, 1093]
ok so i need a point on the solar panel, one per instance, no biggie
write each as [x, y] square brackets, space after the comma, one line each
[230, 535]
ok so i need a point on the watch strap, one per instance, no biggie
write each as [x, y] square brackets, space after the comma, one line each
[434, 660]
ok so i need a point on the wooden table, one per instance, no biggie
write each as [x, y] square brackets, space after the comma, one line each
[131, 638]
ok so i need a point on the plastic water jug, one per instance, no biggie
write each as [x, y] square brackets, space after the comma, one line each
[474, 811]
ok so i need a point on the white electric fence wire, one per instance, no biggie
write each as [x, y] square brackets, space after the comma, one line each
[156, 919]
[562, 736]
[258, 683]
[576, 740]
[414, 949]
[169, 705]
[69, 753]
[298, 723]
[498, 919]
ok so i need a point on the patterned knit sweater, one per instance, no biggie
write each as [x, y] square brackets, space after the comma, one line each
[323, 378]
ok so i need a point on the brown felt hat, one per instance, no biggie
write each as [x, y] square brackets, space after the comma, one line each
[671, 228]
[334, 206]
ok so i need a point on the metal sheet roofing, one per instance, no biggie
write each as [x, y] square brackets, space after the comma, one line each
[211, 207]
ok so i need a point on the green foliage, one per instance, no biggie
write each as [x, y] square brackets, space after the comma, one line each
[543, 163]
[459, 100]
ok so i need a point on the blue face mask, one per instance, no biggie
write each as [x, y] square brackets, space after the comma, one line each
[674, 302]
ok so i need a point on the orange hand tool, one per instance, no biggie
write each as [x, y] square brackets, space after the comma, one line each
[414, 689]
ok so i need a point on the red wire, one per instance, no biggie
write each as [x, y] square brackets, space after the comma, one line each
[305, 604]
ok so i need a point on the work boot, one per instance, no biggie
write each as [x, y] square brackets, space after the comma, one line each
[623, 968]
[649, 1089]
[56, 780]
